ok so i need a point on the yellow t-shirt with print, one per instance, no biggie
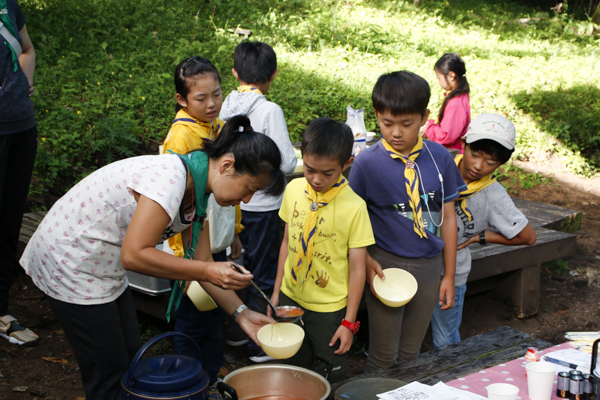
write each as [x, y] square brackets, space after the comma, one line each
[187, 134]
[341, 225]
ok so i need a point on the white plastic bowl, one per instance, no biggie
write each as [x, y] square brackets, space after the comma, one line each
[200, 298]
[398, 288]
[280, 341]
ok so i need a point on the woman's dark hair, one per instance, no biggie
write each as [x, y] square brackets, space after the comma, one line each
[401, 92]
[255, 62]
[491, 148]
[325, 137]
[254, 153]
[189, 70]
[451, 62]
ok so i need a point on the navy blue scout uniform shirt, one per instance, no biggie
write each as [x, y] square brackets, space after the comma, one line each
[16, 107]
[379, 180]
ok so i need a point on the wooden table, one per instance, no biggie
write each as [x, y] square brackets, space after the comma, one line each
[460, 359]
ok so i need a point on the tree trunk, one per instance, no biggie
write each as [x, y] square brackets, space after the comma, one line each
[596, 16]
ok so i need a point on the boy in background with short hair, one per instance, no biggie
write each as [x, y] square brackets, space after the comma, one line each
[323, 254]
[409, 186]
[488, 143]
[255, 67]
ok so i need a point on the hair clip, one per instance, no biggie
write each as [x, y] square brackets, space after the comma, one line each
[241, 129]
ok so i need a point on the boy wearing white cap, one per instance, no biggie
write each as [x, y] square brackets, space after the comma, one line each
[488, 143]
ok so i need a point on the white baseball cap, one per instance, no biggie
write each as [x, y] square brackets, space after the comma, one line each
[494, 127]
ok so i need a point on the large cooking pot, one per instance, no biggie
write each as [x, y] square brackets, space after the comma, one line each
[165, 376]
[595, 372]
[274, 382]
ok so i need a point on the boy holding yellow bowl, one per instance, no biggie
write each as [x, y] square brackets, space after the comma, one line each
[323, 255]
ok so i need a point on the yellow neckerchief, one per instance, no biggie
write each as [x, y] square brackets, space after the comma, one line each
[197, 126]
[472, 188]
[307, 238]
[411, 179]
[248, 88]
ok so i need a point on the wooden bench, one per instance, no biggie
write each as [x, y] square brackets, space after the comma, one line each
[512, 272]
[460, 359]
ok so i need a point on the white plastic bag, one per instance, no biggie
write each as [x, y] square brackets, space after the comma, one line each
[221, 222]
[356, 121]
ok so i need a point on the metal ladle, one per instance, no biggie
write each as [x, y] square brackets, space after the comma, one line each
[241, 271]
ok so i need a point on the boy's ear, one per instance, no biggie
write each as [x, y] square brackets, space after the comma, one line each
[347, 163]
[181, 100]
[425, 117]
[235, 74]
[463, 142]
[274, 75]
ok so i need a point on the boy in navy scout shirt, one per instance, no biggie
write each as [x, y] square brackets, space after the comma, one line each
[488, 143]
[409, 186]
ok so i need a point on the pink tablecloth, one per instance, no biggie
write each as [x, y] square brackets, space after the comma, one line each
[512, 372]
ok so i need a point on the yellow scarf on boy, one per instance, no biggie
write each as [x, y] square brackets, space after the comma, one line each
[472, 188]
[307, 238]
[247, 88]
[199, 128]
[411, 179]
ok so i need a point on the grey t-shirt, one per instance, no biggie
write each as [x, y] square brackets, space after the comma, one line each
[490, 207]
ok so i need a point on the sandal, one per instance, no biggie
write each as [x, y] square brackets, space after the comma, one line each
[15, 333]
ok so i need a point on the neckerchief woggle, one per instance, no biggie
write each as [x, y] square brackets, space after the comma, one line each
[411, 180]
[307, 237]
[197, 163]
[248, 88]
[472, 188]
[8, 24]
[195, 125]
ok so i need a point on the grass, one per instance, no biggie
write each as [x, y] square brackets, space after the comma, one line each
[105, 88]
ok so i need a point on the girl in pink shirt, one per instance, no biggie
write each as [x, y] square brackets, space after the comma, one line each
[455, 113]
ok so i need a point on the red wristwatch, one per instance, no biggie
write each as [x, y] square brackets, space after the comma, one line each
[353, 326]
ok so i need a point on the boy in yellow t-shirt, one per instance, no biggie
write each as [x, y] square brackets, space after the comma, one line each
[323, 255]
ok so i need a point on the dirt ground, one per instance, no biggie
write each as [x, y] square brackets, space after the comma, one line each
[569, 302]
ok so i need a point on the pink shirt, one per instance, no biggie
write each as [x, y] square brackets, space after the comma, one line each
[457, 117]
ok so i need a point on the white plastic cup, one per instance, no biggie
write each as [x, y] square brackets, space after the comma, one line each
[540, 378]
[502, 391]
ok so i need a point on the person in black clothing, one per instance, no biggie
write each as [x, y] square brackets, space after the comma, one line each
[18, 146]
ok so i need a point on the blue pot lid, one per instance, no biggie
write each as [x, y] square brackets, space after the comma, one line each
[168, 373]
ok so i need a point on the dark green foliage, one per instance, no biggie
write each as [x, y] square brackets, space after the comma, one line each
[572, 116]
[104, 70]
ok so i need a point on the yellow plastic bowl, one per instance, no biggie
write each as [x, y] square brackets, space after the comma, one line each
[280, 340]
[200, 298]
[398, 288]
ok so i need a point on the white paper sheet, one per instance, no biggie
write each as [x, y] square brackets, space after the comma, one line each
[571, 356]
[419, 391]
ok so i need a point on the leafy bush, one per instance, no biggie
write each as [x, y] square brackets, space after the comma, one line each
[104, 68]
[570, 115]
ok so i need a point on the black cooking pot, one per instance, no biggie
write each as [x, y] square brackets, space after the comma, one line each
[594, 373]
[166, 376]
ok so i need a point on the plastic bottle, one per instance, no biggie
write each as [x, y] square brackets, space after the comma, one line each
[532, 355]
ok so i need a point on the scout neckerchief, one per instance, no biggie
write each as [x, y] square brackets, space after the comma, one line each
[197, 162]
[247, 88]
[307, 237]
[472, 188]
[198, 127]
[411, 180]
[8, 24]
